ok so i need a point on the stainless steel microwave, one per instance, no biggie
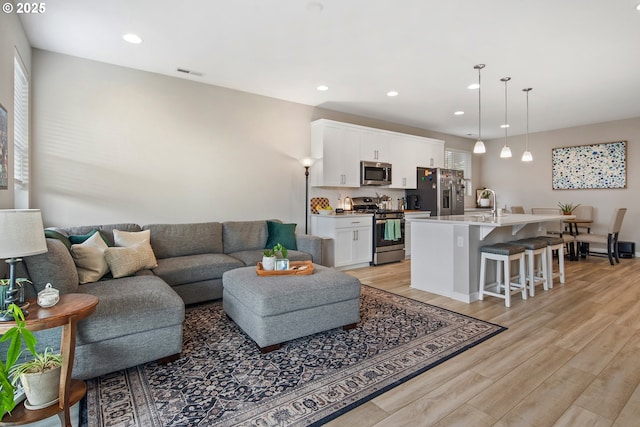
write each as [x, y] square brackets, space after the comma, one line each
[375, 173]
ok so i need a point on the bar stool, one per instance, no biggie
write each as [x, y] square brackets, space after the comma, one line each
[554, 243]
[534, 247]
[503, 253]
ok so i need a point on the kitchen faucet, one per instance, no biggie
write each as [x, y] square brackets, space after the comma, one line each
[494, 210]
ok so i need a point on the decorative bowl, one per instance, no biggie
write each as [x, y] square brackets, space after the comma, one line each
[325, 211]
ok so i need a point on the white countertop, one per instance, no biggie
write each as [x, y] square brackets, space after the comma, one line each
[342, 215]
[487, 220]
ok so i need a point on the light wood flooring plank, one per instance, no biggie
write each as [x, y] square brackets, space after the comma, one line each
[577, 416]
[588, 331]
[519, 382]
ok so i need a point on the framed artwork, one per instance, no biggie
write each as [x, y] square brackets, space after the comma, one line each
[282, 264]
[590, 166]
[4, 150]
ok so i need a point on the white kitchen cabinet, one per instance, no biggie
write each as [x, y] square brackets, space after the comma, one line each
[337, 152]
[374, 146]
[405, 156]
[434, 155]
[350, 243]
[338, 149]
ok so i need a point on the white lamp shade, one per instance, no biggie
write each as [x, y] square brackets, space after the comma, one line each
[479, 147]
[307, 162]
[21, 233]
[506, 152]
[527, 157]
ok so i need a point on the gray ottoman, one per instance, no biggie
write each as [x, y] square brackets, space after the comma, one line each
[275, 309]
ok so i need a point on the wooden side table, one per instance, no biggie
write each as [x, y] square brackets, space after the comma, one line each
[70, 309]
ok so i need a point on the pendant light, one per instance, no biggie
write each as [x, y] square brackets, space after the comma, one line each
[479, 147]
[526, 156]
[506, 151]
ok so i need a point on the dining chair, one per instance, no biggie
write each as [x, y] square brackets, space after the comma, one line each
[517, 209]
[584, 212]
[610, 239]
[557, 228]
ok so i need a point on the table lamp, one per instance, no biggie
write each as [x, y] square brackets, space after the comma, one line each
[21, 234]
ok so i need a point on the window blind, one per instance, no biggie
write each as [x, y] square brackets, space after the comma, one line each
[20, 125]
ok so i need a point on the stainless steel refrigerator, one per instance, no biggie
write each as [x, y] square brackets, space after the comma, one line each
[440, 191]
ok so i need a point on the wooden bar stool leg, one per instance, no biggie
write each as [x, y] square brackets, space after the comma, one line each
[507, 283]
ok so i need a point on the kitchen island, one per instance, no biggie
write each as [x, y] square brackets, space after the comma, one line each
[445, 250]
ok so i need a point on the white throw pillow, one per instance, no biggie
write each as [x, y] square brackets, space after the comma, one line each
[89, 259]
[129, 239]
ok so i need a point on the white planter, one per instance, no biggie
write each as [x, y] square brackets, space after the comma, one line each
[268, 262]
[42, 389]
[485, 203]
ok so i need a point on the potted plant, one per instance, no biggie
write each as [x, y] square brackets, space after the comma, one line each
[567, 208]
[270, 255]
[484, 199]
[20, 282]
[40, 378]
[16, 336]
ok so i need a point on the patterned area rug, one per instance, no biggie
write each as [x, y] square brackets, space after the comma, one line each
[223, 380]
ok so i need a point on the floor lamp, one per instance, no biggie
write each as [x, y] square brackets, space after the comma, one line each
[306, 162]
[22, 235]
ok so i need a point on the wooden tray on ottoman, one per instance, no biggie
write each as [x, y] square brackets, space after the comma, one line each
[294, 269]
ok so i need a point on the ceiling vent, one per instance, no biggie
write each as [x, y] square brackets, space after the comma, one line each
[185, 71]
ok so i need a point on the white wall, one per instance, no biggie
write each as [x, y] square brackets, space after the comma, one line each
[529, 184]
[112, 144]
[12, 38]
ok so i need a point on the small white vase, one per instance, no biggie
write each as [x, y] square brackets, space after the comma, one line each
[484, 203]
[268, 262]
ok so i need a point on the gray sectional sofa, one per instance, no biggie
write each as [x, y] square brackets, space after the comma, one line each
[139, 317]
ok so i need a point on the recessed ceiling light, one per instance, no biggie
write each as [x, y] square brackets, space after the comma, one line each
[504, 126]
[459, 113]
[392, 93]
[323, 88]
[132, 38]
[638, 7]
[473, 86]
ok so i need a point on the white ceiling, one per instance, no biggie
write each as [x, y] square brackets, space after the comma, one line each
[581, 57]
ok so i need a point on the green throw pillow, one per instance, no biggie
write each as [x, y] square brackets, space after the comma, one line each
[52, 234]
[81, 238]
[281, 233]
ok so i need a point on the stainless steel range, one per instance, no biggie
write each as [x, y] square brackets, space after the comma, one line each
[388, 231]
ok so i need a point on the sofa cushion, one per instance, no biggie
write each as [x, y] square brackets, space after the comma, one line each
[141, 241]
[194, 268]
[171, 240]
[127, 306]
[55, 266]
[243, 235]
[281, 233]
[89, 258]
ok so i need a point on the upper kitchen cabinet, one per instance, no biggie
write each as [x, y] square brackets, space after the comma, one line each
[410, 152]
[434, 155]
[336, 149]
[374, 146]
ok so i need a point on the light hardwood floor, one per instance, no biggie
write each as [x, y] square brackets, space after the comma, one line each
[571, 357]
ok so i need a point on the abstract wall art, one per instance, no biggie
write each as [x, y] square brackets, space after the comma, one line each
[590, 166]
